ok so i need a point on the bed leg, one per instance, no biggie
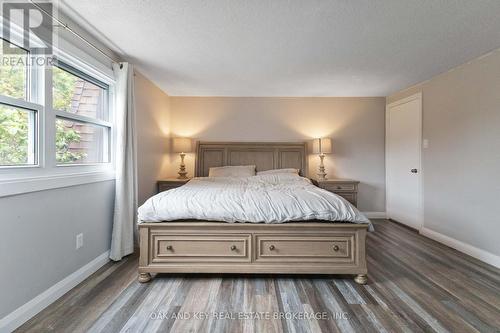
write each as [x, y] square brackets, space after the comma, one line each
[361, 279]
[144, 277]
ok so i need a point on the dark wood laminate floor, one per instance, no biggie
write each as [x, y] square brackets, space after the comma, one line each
[415, 285]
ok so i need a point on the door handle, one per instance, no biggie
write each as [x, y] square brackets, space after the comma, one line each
[414, 171]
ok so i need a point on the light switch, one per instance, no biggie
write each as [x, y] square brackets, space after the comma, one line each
[425, 144]
[79, 241]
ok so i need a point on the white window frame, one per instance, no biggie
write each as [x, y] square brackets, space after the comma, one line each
[31, 102]
[37, 110]
[89, 120]
[46, 173]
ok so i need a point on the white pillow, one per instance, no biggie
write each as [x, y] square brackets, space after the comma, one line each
[275, 171]
[232, 171]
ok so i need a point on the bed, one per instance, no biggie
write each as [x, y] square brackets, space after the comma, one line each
[172, 243]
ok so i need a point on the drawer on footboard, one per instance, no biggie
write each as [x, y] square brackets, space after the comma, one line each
[200, 248]
[297, 248]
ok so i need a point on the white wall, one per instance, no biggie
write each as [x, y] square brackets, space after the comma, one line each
[461, 120]
[356, 125]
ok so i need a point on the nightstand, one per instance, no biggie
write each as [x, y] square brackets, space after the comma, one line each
[346, 188]
[170, 183]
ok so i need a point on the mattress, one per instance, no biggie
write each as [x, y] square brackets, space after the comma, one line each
[272, 198]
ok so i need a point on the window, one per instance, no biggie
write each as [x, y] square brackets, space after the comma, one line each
[80, 142]
[82, 128]
[78, 95]
[53, 115]
[18, 116]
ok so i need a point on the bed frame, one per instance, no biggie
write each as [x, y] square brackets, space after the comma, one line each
[219, 247]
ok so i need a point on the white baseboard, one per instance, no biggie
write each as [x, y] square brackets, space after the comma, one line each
[473, 251]
[375, 215]
[25, 312]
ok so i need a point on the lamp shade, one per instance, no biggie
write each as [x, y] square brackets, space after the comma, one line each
[182, 145]
[322, 146]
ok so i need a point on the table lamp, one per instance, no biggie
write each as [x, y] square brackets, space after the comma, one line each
[182, 146]
[322, 146]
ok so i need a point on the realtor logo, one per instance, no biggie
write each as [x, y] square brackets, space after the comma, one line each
[35, 20]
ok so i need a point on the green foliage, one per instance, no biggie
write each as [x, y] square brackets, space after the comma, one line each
[14, 123]
[14, 132]
[63, 89]
[13, 78]
[12, 81]
[63, 84]
[65, 136]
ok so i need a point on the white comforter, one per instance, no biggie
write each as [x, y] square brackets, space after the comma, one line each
[273, 198]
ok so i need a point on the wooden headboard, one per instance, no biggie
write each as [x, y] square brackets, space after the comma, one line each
[264, 155]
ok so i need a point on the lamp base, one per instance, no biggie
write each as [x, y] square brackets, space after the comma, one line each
[321, 175]
[182, 168]
[321, 170]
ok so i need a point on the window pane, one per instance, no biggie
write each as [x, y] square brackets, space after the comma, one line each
[79, 142]
[13, 71]
[17, 136]
[76, 95]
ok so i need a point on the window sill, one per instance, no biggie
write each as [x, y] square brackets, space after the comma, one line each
[42, 183]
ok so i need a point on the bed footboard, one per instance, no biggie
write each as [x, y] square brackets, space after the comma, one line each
[288, 248]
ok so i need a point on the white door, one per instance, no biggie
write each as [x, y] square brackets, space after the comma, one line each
[403, 153]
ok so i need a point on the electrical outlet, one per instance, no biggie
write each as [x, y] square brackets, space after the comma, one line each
[79, 241]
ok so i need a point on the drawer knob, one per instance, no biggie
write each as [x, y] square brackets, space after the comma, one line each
[336, 248]
[271, 247]
[339, 187]
[169, 247]
[233, 247]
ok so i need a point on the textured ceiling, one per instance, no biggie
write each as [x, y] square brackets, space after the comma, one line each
[293, 47]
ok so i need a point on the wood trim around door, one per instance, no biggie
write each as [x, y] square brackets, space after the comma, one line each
[417, 96]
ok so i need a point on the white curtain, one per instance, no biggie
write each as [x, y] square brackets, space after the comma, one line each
[125, 213]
